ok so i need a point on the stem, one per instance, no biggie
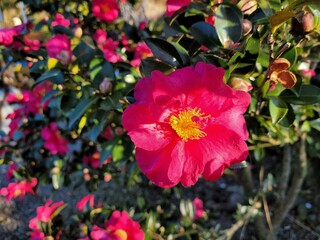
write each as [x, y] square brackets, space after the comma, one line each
[286, 169]
[286, 204]
[247, 182]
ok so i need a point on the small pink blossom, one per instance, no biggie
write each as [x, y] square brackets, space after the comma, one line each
[31, 45]
[53, 141]
[307, 73]
[198, 208]
[59, 47]
[105, 10]
[142, 51]
[109, 51]
[84, 201]
[119, 227]
[60, 20]
[100, 37]
[18, 189]
[175, 5]
[45, 213]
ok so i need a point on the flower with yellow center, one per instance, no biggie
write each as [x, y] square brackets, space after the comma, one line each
[185, 125]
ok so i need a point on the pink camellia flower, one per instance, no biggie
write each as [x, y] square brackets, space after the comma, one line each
[31, 45]
[18, 189]
[175, 5]
[119, 227]
[198, 208]
[59, 47]
[53, 141]
[186, 124]
[45, 214]
[109, 51]
[7, 34]
[105, 10]
[100, 37]
[307, 73]
[141, 52]
[84, 201]
[60, 20]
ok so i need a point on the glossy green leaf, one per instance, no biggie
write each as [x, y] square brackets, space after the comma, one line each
[259, 153]
[53, 75]
[309, 94]
[289, 118]
[279, 18]
[195, 8]
[290, 55]
[183, 53]
[59, 29]
[315, 124]
[80, 109]
[278, 109]
[164, 51]
[205, 34]
[228, 22]
[83, 52]
[150, 64]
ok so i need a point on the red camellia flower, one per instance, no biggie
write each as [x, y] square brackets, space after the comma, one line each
[53, 141]
[59, 47]
[119, 227]
[175, 5]
[186, 124]
[18, 189]
[105, 10]
[60, 20]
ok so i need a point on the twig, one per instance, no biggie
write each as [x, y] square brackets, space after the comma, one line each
[286, 204]
[300, 224]
[264, 200]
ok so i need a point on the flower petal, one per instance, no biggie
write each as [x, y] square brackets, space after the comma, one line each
[223, 147]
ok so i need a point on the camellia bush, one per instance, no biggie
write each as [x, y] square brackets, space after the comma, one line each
[153, 121]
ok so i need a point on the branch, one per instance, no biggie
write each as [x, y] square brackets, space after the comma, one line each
[287, 202]
[286, 169]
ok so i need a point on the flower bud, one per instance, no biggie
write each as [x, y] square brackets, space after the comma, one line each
[247, 26]
[303, 23]
[247, 6]
[240, 84]
[105, 86]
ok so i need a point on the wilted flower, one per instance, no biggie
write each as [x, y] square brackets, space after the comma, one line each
[119, 227]
[53, 141]
[175, 5]
[240, 84]
[186, 124]
[59, 47]
[105, 10]
[84, 201]
[105, 86]
[18, 189]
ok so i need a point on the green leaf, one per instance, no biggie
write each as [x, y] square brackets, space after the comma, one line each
[290, 55]
[259, 153]
[164, 51]
[205, 34]
[54, 75]
[288, 120]
[315, 124]
[269, 7]
[309, 94]
[150, 64]
[183, 53]
[59, 29]
[228, 22]
[106, 150]
[278, 18]
[196, 9]
[83, 52]
[80, 109]
[278, 109]
[38, 67]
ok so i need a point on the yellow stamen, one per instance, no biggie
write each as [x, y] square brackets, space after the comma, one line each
[185, 126]
[122, 234]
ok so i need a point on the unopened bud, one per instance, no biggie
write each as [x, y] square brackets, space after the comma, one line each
[105, 86]
[247, 26]
[303, 23]
[240, 84]
[248, 6]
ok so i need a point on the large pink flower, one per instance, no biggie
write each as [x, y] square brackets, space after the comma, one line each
[119, 227]
[175, 5]
[105, 10]
[7, 34]
[186, 124]
[59, 47]
[18, 189]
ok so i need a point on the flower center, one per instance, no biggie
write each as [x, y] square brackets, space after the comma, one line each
[186, 124]
[122, 234]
